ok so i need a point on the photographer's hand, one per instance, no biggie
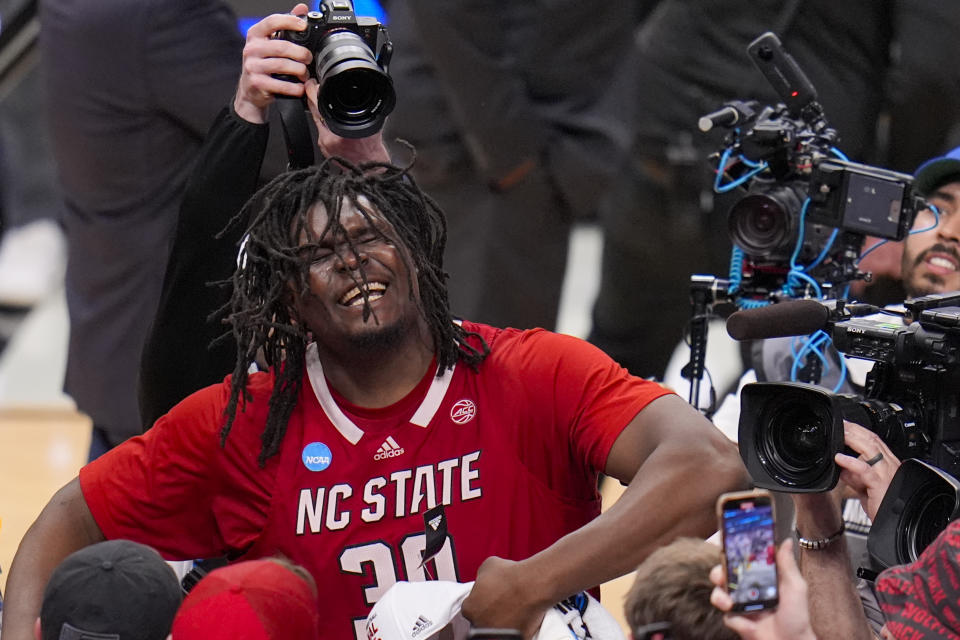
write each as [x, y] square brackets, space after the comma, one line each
[868, 481]
[263, 58]
[791, 620]
[355, 150]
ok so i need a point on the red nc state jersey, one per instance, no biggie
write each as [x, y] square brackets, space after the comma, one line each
[511, 450]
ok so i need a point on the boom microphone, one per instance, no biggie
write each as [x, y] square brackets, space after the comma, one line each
[788, 318]
[731, 114]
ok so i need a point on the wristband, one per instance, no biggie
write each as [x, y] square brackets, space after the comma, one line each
[821, 543]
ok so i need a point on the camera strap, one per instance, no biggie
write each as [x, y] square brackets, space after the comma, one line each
[296, 132]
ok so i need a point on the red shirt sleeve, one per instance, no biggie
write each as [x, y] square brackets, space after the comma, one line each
[576, 394]
[176, 489]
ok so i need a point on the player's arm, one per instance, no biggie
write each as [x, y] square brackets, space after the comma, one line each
[64, 526]
[675, 464]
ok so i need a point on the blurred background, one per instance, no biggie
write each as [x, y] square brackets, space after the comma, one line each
[560, 137]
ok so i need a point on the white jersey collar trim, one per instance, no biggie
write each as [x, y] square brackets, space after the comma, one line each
[347, 428]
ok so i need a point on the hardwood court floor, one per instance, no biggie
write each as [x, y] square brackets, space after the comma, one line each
[40, 451]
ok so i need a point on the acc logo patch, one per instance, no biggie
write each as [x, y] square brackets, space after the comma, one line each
[463, 411]
[316, 456]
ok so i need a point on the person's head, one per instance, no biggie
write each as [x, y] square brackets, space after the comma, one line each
[673, 585]
[117, 590]
[268, 599]
[920, 600]
[348, 257]
[931, 259]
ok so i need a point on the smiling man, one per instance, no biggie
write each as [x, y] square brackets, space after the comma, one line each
[378, 410]
[931, 259]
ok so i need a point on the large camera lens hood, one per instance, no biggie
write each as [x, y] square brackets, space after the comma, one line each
[920, 502]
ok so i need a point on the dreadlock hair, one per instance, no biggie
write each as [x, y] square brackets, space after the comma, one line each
[273, 257]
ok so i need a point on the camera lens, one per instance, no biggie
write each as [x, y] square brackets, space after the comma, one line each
[924, 517]
[763, 224]
[355, 93]
[794, 442]
[351, 92]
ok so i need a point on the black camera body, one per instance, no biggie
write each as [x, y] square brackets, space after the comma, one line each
[351, 57]
[862, 199]
[795, 188]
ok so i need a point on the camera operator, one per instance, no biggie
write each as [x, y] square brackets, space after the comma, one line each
[820, 599]
[930, 265]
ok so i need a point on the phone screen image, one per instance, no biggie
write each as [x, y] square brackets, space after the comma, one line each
[750, 553]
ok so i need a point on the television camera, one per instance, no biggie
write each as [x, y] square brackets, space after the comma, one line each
[789, 433]
[803, 209]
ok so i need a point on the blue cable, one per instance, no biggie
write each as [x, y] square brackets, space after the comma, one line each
[814, 337]
[800, 232]
[826, 249]
[736, 269]
[839, 154]
[871, 250]
[736, 277]
[722, 167]
[812, 344]
[748, 303]
[936, 220]
[792, 283]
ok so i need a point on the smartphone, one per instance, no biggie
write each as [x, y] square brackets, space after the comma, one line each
[749, 550]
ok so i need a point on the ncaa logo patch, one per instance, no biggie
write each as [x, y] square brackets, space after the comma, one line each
[463, 411]
[316, 456]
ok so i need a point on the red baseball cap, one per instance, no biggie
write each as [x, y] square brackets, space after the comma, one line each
[254, 600]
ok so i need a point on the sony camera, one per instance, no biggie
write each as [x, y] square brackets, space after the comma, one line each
[790, 432]
[351, 56]
[799, 204]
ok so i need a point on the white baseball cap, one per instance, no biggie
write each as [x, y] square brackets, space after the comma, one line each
[431, 611]
[419, 611]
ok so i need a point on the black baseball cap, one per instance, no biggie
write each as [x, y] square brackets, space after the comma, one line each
[937, 171]
[114, 590]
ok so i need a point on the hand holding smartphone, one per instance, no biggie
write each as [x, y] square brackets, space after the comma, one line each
[749, 549]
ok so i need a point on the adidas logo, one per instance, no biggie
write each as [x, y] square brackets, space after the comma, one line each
[389, 449]
[421, 625]
[435, 522]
